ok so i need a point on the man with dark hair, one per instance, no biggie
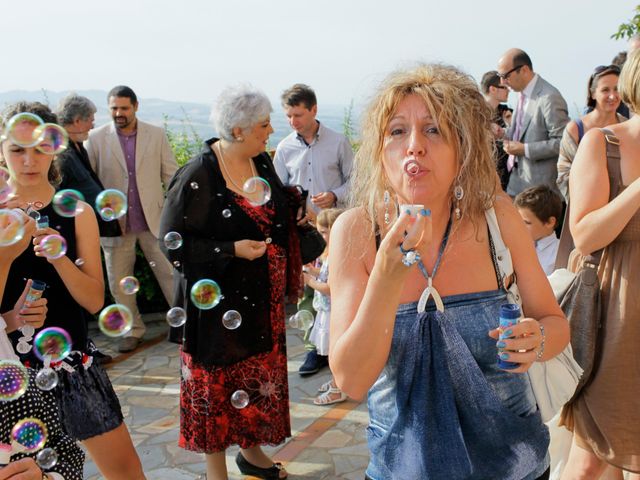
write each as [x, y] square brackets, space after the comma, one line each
[313, 156]
[135, 158]
[495, 93]
[533, 140]
[319, 159]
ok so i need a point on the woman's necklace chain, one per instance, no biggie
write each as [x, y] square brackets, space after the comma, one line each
[226, 170]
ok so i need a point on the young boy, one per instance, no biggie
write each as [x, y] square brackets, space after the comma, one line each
[540, 208]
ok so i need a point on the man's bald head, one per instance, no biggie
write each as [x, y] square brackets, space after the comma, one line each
[515, 69]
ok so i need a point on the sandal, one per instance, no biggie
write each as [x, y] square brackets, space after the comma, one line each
[325, 386]
[271, 473]
[326, 397]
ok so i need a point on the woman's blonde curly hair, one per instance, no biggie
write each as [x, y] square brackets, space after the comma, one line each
[464, 120]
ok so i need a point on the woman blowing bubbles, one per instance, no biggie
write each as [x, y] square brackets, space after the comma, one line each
[439, 405]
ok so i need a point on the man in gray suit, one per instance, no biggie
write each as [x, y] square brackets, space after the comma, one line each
[533, 140]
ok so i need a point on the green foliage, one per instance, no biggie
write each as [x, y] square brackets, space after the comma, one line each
[630, 28]
[347, 127]
[186, 142]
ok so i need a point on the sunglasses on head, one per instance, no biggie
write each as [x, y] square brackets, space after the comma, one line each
[603, 68]
[506, 75]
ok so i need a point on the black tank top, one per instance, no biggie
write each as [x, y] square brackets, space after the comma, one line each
[63, 311]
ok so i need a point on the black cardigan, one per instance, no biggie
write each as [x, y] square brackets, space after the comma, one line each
[195, 201]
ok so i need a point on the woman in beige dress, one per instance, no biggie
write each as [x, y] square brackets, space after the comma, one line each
[605, 418]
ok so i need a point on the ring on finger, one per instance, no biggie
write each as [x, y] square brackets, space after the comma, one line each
[410, 256]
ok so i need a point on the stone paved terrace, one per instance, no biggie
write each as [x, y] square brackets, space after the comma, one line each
[327, 443]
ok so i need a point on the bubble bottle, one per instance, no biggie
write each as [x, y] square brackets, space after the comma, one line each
[510, 313]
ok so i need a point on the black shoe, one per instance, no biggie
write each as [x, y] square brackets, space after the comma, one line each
[313, 363]
[246, 468]
[102, 358]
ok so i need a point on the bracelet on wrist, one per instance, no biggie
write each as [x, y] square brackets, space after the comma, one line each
[540, 351]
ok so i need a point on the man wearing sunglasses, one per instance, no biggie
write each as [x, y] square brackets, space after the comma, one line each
[533, 140]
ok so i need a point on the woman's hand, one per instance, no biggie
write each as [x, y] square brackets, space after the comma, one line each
[8, 224]
[249, 249]
[410, 233]
[37, 238]
[307, 278]
[521, 343]
[26, 313]
[23, 469]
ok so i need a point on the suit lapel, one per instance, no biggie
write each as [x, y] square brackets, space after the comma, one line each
[116, 148]
[532, 104]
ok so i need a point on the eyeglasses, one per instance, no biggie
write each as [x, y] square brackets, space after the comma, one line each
[505, 76]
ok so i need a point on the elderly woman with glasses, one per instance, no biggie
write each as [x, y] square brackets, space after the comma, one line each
[233, 389]
[603, 100]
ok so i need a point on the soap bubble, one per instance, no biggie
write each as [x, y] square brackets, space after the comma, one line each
[23, 347]
[20, 129]
[205, 294]
[226, 213]
[46, 379]
[129, 285]
[240, 399]
[111, 204]
[14, 380]
[258, 191]
[47, 458]
[152, 264]
[53, 246]
[6, 190]
[52, 139]
[11, 227]
[79, 262]
[173, 240]
[176, 317]
[52, 342]
[194, 185]
[302, 320]
[65, 202]
[115, 320]
[31, 433]
[231, 319]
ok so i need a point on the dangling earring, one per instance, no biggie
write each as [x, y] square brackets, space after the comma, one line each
[387, 199]
[240, 139]
[458, 194]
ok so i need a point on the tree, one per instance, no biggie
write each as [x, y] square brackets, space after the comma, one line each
[629, 29]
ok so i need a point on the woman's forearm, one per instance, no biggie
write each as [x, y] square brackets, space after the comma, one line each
[85, 289]
[599, 228]
[360, 354]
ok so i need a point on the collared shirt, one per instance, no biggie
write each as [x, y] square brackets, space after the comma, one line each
[324, 165]
[547, 250]
[135, 216]
[528, 90]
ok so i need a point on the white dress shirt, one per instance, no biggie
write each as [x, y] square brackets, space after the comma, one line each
[547, 250]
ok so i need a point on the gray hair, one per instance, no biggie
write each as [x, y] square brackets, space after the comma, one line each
[74, 107]
[240, 106]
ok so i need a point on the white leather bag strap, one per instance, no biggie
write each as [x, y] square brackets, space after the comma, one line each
[503, 257]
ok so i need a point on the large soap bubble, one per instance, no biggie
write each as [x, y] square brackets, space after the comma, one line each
[115, 320]
[111, 204]
[205, 294]
[258, 191]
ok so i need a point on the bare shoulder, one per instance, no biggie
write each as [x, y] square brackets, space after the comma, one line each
[86, 219]
[353, 235]
[512, 228]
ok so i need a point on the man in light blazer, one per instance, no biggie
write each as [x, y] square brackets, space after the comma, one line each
[135, 158]
[533, 140]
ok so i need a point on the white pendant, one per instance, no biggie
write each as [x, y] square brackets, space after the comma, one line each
[430, 291]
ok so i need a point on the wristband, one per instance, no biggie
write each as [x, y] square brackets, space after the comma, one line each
[541, 349]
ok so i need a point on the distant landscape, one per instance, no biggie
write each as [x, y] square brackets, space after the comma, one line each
[180, 116]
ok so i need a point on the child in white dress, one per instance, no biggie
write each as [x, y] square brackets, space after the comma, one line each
[317, 279]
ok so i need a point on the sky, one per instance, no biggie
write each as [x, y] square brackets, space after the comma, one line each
[189, 50]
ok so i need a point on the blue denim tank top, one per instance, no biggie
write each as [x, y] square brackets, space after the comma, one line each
[442, 409]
